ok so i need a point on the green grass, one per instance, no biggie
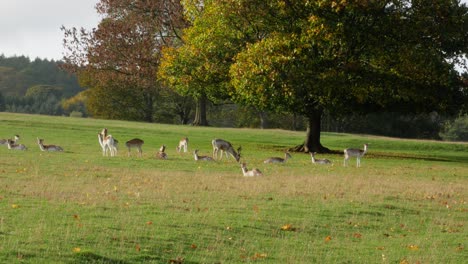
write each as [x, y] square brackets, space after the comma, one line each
[406, 204]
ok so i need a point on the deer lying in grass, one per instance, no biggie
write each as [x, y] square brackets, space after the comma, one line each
[358, 153]
[278, 159]
[5, 141]
[183, 144]
[161, 154]
[318, 161]
[223, 145]
[135, 143]
[108, 143]
[50, 148]
[250, 173]
[197, 157]
[11, 144]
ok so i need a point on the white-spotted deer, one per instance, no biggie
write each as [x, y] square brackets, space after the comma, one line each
[161, 154]
[49, 148]
[183, 145]
[197, 157]
[358, 153]
[250, 173]
[278, 159]
[11, 144]
[135, 143]
[108, 143]
[223, 145]
[5, 141]
[318, 161]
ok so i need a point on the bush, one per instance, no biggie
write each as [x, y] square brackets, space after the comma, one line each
[76, 114]
[456, 130]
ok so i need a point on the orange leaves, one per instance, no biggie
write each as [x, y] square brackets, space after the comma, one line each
[328, 239]
[76, 250]
[413, 247]
[288, 227]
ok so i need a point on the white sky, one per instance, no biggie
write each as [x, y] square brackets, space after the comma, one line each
[32, 27]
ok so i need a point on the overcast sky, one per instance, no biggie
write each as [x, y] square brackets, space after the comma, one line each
[32, 27]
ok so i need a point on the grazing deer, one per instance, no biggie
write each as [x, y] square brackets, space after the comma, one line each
[350, 152]
[223, 145]
[205, 158]
[250, 173]
[50, 148]
[108, 143]
[135, 143]
[11, 144]
[319, 161]
[161, 154]
[183, 144]
[5, 141]
[278, 159]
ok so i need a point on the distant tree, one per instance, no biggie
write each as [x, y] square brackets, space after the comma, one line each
[118, 60]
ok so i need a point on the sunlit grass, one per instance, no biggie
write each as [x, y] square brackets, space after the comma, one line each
[406, 204]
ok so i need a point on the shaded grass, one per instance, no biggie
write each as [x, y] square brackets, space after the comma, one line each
[80, 207]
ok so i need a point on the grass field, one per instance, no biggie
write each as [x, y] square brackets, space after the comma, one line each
[406, 204]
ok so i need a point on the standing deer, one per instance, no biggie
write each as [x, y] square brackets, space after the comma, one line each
[197, 157]
[183, 144]
[11, 144]
[319, 161]
[49, 148]
[223, 145]
[107, 142]
[350, 152]
[278, 159]
[135, 143]
[5, 141]
[250, 173]
[161, 154]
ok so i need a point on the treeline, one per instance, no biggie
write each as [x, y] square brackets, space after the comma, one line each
[34, 86]
[42, 87]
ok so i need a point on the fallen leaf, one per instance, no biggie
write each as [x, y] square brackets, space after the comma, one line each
[138, 248]
[193, 246]
[357, 235]
[288, 227]
[413, 247]
[14, 206]
[76, 249]
[328, 239]
[149, 223]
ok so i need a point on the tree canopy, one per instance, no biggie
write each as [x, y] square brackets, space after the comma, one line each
[305, 57]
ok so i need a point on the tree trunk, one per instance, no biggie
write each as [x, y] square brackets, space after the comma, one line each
[200, 112]
[263, 119]
[312, 141]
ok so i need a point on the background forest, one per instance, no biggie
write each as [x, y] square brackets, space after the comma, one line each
[42, 87]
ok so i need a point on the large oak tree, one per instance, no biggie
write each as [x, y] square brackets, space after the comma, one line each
[305, 57]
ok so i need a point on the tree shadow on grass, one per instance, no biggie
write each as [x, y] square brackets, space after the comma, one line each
[89, 257]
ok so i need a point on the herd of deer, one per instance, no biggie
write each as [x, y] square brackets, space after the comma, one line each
[13, 144]
[109, 147]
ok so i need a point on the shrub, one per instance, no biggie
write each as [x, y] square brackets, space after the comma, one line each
[456, 130]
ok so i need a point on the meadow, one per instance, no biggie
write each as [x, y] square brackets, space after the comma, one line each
[407, 203]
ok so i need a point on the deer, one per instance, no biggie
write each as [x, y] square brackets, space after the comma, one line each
[250, 173]
[161, 154]
[50, 148]
[183, 144]
[319, 161]
[197, 157]
[135, 143]
[11, 144]
[223, 145]
[278, 159]
[5, 141]
[358, 153]
[107, 142]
